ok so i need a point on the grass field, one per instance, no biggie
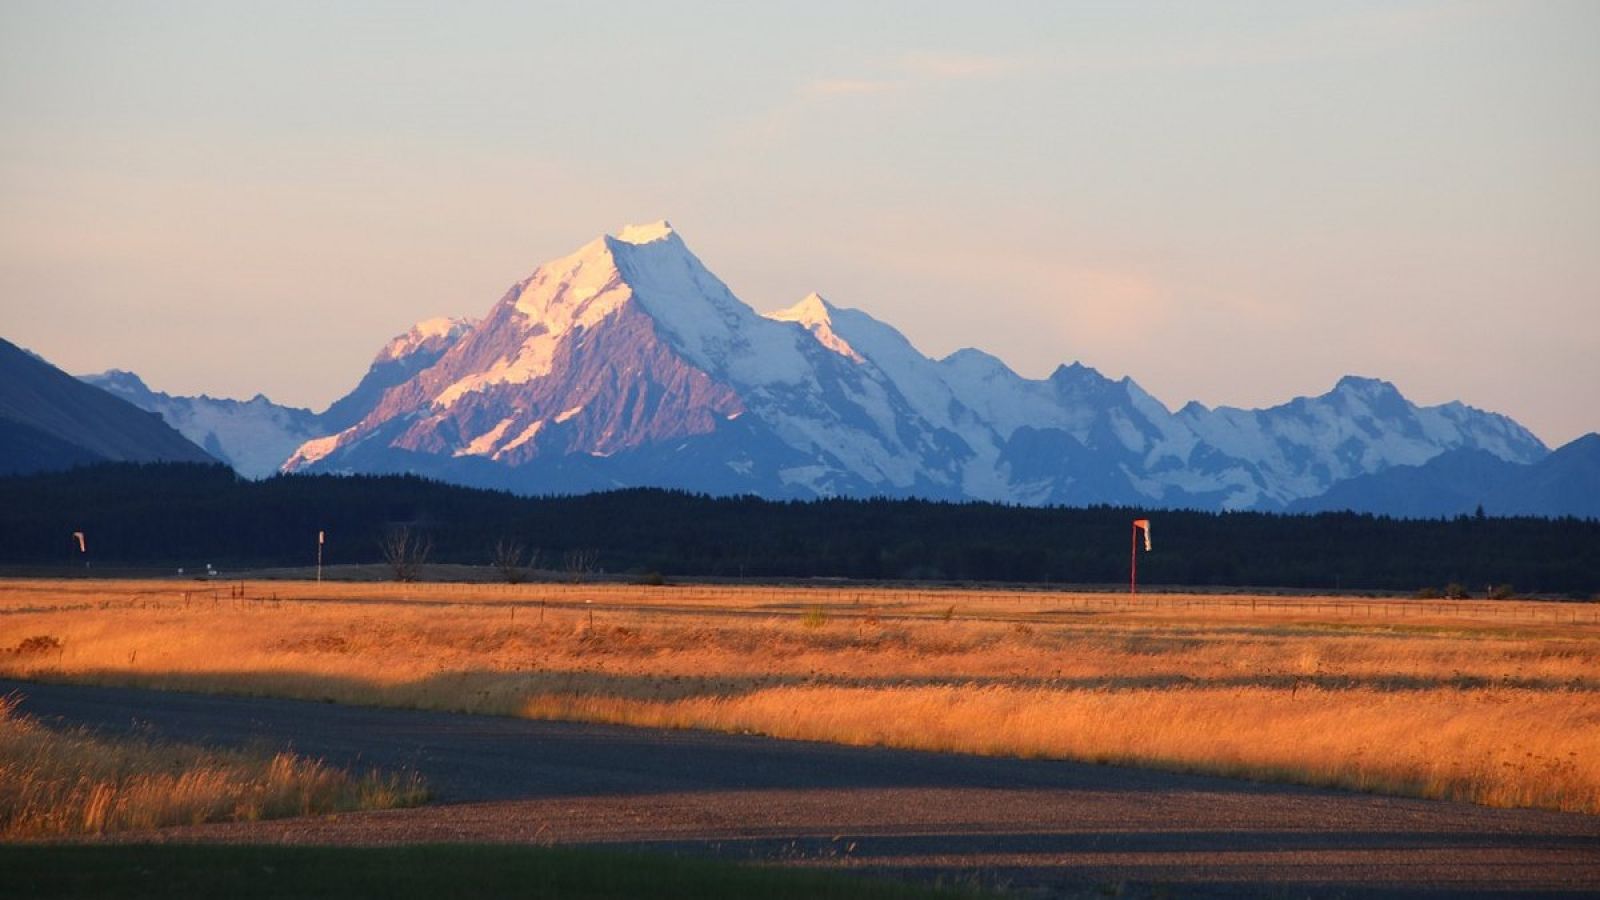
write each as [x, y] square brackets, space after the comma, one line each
[1490, 702]
[398, 873]
[62, 783]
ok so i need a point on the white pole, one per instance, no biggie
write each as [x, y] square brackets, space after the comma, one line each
[321, 535]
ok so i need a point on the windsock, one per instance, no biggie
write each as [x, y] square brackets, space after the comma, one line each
[321, 538]
[1144, 524]
[82, 548]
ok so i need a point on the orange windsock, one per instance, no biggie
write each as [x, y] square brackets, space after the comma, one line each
[1144, 525]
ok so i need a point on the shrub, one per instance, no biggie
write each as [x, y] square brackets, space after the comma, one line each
[514, 561]
[39, 643]
[405, 551]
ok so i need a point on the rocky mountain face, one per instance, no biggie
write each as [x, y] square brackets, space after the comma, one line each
[399, 360]
[629, 363]
[49, 420]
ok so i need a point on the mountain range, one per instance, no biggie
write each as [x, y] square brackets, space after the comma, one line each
[628, 363]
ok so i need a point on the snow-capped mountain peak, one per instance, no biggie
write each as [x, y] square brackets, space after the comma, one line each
[971, 359]
[424, 335]
[697, 312]
[647, 233]
[816, 315]
[648, 264]
[118, 381]
[812, 309]
[1365, 385]
[646, 268]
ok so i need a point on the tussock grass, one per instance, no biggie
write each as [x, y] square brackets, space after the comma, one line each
[56, 783]
[1489, 703]
[1496, 748]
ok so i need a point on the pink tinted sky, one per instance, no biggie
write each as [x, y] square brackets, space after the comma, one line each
[1236, 203]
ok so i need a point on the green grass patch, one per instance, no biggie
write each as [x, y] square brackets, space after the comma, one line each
[417, 871]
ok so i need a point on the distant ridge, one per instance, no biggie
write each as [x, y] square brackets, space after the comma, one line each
[253, 436]
[1460, 482]
[49, 421]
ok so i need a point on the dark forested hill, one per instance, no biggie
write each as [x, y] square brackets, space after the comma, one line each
[50, 420]
[171, 515]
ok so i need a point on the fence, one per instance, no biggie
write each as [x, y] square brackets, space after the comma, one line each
[789, 600]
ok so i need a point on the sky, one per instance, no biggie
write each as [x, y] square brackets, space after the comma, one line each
[1235, 203]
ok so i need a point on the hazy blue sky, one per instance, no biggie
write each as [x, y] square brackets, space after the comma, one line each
[1231, 202]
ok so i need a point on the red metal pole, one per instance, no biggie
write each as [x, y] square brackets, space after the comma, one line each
[1133, 563]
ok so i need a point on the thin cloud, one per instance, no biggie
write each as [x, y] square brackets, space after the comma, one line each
[1327, 36]
[958, 66]
[910, 71]
[832, 87]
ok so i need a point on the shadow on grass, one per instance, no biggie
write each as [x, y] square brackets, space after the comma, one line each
[494, 691]
[469, 758]
[423, 871]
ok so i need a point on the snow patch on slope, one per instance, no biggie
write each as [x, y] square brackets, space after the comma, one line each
[527, 434]
[315, 449]
[484, 444]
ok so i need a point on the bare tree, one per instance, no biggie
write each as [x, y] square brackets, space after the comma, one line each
[580, 563]
[514, 561]
[405, 551]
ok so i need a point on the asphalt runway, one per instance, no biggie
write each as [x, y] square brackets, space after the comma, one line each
[1038, 827]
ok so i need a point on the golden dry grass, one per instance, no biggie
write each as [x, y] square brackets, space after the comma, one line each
[1491, 703]
[56, 783]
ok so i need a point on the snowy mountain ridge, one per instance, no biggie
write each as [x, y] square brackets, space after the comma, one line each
[253, 436]
[627, 362]
[429, 334]
[256, 436]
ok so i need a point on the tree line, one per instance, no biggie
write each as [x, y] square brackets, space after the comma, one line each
[170, 515]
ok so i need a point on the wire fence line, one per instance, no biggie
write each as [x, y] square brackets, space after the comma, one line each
[794, 600]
